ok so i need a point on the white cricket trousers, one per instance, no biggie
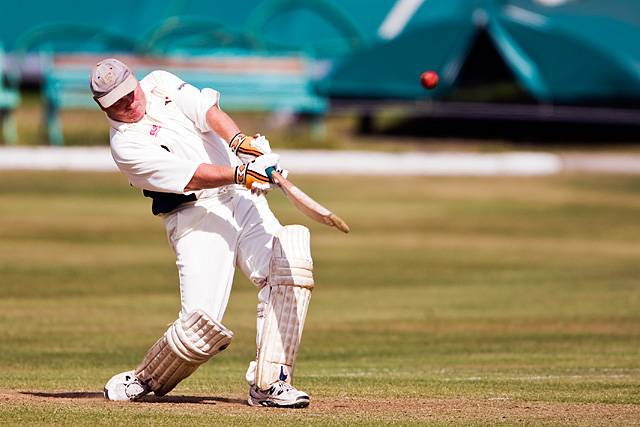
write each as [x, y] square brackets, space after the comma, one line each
[210, 237]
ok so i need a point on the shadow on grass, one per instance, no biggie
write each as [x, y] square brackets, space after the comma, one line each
[206, 400]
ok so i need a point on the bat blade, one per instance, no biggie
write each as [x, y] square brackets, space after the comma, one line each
[307, 205]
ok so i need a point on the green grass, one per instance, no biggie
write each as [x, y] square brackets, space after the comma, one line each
[479, 297]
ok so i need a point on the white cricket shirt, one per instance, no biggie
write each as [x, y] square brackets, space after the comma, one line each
[162, 151]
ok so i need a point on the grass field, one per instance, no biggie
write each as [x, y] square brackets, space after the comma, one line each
[454, 301]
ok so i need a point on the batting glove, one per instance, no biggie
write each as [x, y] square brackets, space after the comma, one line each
[248, 148]
[253, 175]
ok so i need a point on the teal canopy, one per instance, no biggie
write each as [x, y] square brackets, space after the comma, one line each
[556, 50]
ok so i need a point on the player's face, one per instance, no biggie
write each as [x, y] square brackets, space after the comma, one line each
[130, 108]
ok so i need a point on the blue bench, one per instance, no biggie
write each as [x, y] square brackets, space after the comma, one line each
[9, 100]
[246, 83]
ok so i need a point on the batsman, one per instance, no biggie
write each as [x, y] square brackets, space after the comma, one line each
[207, 181]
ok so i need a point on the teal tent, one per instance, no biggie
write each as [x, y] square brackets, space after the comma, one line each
[564, 51]
[558, 51]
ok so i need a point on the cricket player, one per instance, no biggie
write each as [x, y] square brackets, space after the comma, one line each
[207, 182]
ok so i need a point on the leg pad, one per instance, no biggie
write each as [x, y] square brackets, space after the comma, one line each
[290, 284]
[188, 343]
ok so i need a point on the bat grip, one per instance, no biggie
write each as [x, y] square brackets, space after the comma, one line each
[270, 170]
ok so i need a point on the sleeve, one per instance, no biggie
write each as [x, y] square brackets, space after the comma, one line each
[192, 102]
[149, 167]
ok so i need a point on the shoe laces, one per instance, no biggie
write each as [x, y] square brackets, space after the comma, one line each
[280, 387]
[134, 387]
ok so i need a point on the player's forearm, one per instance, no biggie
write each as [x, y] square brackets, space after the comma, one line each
[221, 123]
[211, 176]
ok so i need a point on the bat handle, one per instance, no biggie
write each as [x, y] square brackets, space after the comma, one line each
[270, 170]
[273, 175]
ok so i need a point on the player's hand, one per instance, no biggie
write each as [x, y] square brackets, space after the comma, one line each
[248, 148]
[253, 175]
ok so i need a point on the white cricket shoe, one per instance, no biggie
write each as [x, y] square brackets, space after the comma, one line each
[281, 394]
[125, 386]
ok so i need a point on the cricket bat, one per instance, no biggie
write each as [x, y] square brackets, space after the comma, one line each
[306, 204]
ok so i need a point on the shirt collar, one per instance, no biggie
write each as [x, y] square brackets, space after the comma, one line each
[119, 126]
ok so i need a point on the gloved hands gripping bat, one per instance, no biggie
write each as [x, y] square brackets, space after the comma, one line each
[250, 149]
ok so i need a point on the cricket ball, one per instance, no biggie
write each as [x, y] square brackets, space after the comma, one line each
[429, 79]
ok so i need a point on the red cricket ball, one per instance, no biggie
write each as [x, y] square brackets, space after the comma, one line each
[429, 79]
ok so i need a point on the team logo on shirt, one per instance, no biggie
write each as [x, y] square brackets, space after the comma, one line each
[154, 130]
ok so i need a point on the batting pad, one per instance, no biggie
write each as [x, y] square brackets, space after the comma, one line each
[290, 281]
[189, 342]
